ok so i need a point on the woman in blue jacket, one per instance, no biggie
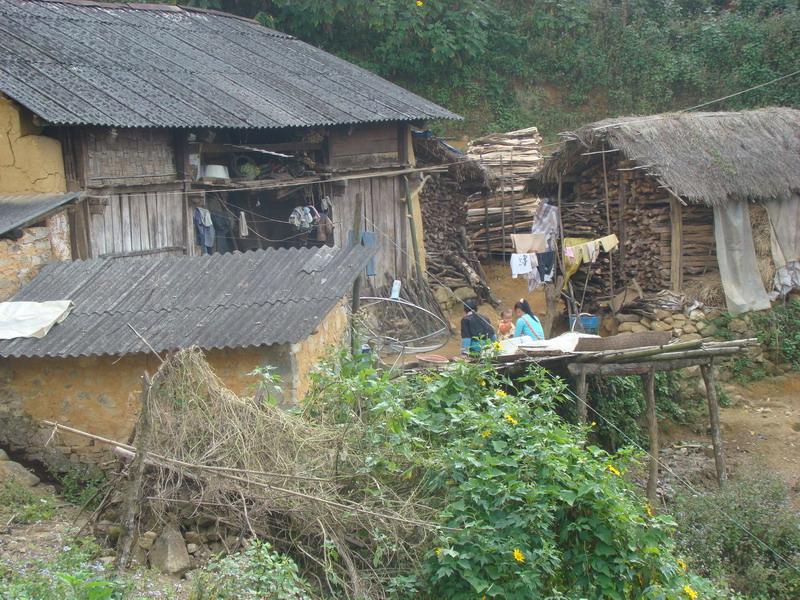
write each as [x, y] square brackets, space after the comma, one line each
[527, 323]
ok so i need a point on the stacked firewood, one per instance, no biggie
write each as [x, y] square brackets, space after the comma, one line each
[513, 159]
[644, 224]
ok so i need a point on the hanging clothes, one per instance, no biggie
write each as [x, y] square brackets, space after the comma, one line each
[204, 229]
[545, 222]
[609, 242]
[522, 264]
[546, 266]
[223, 231]
[243, 229]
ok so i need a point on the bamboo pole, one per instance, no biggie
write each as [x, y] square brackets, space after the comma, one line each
[581, 392]
[354, 344]
[713, 417]
[648, 379]
[608, 227]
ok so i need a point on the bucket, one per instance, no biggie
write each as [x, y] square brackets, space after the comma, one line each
[587, 323]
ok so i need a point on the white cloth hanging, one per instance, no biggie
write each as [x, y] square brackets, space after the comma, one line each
[243, 230]
[522, 264]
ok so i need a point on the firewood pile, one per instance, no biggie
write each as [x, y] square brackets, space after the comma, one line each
[639, 212]
[513, 158]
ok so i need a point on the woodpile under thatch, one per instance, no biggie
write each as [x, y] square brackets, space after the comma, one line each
[513, 158]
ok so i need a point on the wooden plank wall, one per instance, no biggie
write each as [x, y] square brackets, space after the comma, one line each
[136, 222]
[365, 146]
[384, 212]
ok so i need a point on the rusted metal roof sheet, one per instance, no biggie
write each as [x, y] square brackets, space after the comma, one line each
[219, 301]
[21, 210]
[127, 65]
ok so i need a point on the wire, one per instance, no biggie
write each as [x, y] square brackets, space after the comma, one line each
[683, 481]
[755, 87]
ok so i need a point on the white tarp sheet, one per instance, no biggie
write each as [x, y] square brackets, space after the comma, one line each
[784, 219]
[31, 319]
[736, 255]
[565, 342]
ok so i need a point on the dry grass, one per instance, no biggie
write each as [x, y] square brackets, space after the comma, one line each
[262, 471]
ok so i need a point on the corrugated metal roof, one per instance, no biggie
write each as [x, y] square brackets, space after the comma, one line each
[24, 209]
[167, 66]
[233, 300]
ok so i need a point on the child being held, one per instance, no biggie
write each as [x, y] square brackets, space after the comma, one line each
[505, 329]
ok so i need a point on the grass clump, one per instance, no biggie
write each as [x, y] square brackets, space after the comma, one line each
[20, 504]
[712, 532]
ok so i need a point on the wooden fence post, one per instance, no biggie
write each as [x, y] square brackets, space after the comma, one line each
[354, 343]
[713, 417]
[652, 424]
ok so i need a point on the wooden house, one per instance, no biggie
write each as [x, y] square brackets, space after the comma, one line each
[665, 183]
[150, 111]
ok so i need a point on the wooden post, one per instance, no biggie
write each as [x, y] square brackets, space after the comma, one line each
[649, 381]
[133, 497]
[676, 245]
[713, 417]
[608, 225]
[503, 208]
[486, 223]
[354, 344]
[413, 229]
[581, 391]
[621, 228]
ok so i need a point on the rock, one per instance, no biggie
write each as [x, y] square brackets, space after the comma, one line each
[677, 332]
[662, 314]
[108, 560]
[709, 330]
[697, 315]
[442, 294]
[660, 326]
[713, 314]
[669, 321]
[147, 539]
[689, 328]
[691, 337]
[12, 470]
[645, 321]
[169, 554]
[628, 318]
[3, 455]
[632, 328]
[737, 326]
[192, 537]
[465, 293]
[114, 531]
[192, 548]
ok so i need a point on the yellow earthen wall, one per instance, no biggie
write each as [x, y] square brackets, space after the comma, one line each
[306, 354]
[29, 162]
[95, 394]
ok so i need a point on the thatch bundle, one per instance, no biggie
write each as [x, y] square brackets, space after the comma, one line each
[705, 157]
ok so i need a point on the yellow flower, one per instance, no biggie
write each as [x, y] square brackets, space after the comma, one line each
[649, 510]
[486, 433]
[683, 565]
[518, 555]
[614, 470]
[511, 419]
[689, 591]
[497, 346]
[438, 551]
[500, 393]
[420, 3]
[482, 382]
[594, 424]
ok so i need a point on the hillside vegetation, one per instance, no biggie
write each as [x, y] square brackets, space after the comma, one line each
[505, 64]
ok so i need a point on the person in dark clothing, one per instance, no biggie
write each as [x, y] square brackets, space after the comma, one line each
[476, 331]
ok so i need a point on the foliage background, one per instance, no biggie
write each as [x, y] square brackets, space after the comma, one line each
[505, 64]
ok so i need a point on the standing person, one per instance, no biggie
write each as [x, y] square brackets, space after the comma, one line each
[527, 322]
[476, 331]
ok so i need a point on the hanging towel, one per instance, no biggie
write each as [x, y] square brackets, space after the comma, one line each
[526, 243]
[243, 230]
[593, 248]
[609, 242]
[205, 216]
[522, 264]
[204, 231]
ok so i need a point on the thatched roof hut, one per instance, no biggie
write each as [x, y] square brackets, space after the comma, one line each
[703, 157]
[663, 184]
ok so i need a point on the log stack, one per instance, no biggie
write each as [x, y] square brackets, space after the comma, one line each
[513, 159]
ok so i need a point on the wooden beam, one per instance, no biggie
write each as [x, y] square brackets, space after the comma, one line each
[635, 368]
[354, 345]
[581, 391]
[713, 417]
[648, 379]
[676, 245]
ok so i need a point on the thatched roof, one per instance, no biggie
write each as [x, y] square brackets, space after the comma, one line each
[705, 157]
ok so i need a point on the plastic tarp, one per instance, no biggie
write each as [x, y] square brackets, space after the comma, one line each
[784, 219]
[566, 342]
[31, 319]
[736, 255]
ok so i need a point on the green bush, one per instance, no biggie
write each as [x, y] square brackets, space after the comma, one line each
[711, 530]
[72, 575]
[527, 509]
[80, 485]
[257, 572]
[23, 505]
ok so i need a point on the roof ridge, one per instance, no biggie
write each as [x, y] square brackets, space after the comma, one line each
[164, 8]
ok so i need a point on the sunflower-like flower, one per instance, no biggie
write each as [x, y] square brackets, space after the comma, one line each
[682, 564]
[690, 592]
[511, 420]
[485, 434]
[614, 470]
[519, 556]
